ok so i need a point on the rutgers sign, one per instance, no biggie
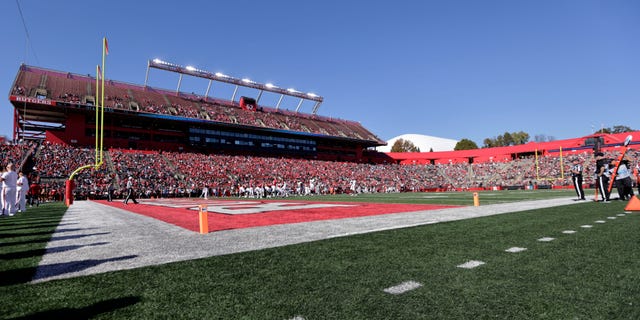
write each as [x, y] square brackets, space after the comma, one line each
[32, 100]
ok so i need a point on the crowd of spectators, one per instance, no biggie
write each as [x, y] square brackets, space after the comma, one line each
[14, 153]
[17, 154]
[69, 97]
[153, 176]
[228, 174]
[182, 174]
[18, 91]
[54, 163]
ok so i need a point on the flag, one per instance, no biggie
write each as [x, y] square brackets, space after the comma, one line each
[106, 45]
[99, 72]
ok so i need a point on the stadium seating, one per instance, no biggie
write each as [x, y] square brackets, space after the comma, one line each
[181, 174]
[77, 89]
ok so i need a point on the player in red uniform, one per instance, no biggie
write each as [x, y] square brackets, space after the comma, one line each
[34, 192]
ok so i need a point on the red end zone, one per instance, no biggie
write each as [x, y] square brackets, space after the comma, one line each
[247, 213]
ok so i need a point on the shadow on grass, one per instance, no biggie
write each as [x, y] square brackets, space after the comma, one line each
[24, 275]
[40, 233]
[87, 312]
[46, 239]
[42, 214]
[19, 221]
[33, 226]
[40, 252]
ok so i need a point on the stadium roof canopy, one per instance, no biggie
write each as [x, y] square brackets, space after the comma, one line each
[220, 77]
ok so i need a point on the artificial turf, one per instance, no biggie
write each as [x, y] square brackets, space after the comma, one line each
[450, 198]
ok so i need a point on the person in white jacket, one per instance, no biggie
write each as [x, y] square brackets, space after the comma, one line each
[22, 190]
[9, 180]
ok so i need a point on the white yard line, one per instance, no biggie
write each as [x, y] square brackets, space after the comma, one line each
[403, 287]
[471, 264]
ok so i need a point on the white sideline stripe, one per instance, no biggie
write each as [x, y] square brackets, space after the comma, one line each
[515, 249]
[471, 264]
[586, 226]
[600, 221]
[569, 232]
[546, 239]
[620, 214]
[297, 318]
[611, 218]
[403, 287]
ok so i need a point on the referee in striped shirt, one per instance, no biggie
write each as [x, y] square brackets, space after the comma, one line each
[576, 178]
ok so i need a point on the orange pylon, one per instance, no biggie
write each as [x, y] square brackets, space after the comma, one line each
[202, 217]
[633, 205]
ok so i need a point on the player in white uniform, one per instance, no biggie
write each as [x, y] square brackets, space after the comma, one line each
[9, 181]
[23, 188]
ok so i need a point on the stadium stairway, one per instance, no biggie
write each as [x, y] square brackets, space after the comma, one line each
[444, 174]
[176, 173]
[166, 100]
[111, 168]
[471, 175]
[497, 174]
[524, 166]
[43, 81]
[27, 163]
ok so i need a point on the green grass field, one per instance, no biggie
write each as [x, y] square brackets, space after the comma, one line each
[452, 198]
[592, 274]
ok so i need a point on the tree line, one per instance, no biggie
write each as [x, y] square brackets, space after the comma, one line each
[520, 137]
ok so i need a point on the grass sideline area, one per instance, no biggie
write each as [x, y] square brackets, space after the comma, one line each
[589, 274]
[450, 198]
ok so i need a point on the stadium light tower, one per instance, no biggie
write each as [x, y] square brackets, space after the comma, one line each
[259, 96]
[179, 82]
[299, 105]
[206, 94]
[233, 96]
[220, 77]
[279, 101]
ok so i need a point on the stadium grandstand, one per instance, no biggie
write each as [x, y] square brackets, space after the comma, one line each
[59, 107]
[175, 144]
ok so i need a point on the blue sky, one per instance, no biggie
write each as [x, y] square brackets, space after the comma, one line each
[453, 69]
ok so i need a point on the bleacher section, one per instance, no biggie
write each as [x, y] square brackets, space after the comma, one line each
[78, 89]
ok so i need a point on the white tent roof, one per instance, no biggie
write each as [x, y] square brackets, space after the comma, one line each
[425, 143]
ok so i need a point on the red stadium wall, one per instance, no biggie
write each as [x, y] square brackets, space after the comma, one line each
[54, 137]
[76, 129]
[73, 134]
